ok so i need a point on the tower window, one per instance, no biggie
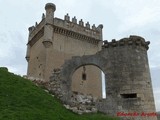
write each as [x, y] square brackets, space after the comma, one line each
[84, 76]
[131, 95]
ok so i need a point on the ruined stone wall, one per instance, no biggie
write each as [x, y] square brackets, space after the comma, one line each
[128, 79]
[80, 103]
[128, 82]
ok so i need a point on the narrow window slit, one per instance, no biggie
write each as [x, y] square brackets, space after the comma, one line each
[130, 95]
[84, 76]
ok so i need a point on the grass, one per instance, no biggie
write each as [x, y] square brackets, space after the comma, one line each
[20, 99]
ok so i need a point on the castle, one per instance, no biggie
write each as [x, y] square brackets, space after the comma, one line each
[54, 40]
[80, 54]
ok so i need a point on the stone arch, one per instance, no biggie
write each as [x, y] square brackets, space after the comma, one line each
[72, 65]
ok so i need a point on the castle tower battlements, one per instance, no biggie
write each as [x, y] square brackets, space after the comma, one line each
[69, 28]
[66, 27]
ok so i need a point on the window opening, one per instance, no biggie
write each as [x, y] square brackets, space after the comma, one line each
[131, 95]
[84, 75]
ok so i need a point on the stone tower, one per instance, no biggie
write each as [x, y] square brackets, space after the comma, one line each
[53, 40]
[129, 91]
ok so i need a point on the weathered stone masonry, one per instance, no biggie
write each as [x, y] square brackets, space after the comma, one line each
[128, 82]
[80, 103]
[53, 40]
[125, 65]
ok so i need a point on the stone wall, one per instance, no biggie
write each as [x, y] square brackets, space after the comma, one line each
[128, 82]
[80, 103]
[126, 69]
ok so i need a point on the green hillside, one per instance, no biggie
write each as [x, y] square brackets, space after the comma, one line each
[20, 99]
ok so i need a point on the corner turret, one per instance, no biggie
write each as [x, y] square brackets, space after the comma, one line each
[49, 21]
[28, 46]
[50, 9]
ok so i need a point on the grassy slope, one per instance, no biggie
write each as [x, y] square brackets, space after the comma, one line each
[20, 99]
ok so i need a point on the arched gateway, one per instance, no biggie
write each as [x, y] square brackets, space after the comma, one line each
[76, 62]
[128, 85]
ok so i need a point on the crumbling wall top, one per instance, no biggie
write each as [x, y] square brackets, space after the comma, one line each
[132, 40]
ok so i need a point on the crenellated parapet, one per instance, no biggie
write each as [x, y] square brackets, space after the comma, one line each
[132, 40]
[34, 30]
[38, 26]
[77, 29]
[81, 26]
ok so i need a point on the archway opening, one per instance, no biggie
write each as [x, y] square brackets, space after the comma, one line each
[89, 80]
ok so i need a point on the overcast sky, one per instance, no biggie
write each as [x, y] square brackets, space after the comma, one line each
[120, 18]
